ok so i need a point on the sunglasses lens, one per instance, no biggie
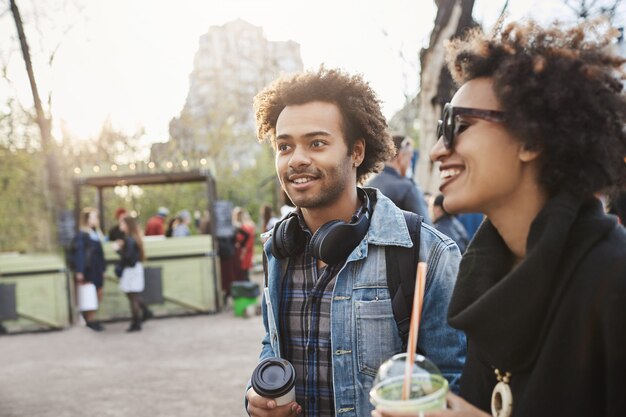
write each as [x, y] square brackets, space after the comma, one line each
[439, 128]
[448, 126]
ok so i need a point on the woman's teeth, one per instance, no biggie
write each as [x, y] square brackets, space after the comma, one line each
[449, 173]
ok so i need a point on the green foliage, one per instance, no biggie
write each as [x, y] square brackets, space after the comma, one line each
[244, 171]
[24, 221]
[251, 187]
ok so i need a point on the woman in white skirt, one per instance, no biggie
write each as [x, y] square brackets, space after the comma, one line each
[131, 273]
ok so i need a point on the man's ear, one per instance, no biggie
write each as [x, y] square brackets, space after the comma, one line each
[358, 151]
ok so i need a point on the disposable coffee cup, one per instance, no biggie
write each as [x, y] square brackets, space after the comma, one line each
[275, 378]
[428, 393]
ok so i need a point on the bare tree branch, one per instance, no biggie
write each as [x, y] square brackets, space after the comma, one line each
[53, 175]
[503, 11]
[58, 45]
[584, 10]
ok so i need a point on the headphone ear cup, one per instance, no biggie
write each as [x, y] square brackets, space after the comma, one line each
[288, 238]
[317, 241]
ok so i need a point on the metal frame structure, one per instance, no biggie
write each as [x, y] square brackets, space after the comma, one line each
[198, 175]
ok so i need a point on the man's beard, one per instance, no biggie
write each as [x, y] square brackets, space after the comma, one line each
[330, 191]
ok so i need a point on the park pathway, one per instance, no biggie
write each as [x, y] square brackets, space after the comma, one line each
[176, 367]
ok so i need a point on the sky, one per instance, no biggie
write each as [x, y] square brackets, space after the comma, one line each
[129, 61]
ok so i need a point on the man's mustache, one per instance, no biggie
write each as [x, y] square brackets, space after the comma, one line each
[312, 172]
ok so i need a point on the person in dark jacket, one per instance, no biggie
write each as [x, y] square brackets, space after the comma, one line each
[535, 131]
[114, 232]
[448, 224]
[131, 272]
[89, 263]
[392, 181]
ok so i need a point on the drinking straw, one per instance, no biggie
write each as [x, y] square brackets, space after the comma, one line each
[416, 312]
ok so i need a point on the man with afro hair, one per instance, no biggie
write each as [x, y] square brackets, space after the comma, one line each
[327, 306]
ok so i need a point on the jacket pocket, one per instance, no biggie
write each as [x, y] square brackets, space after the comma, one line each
[377, 334]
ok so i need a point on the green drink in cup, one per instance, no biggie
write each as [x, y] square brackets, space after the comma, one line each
[428, 387]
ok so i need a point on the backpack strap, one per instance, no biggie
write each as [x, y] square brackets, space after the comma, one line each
[265, 272]
[401, 266]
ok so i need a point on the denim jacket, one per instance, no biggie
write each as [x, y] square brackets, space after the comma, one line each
[363, 330]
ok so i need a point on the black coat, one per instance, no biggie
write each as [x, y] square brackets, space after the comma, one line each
[89, 259]
[129, 253]
[557, 321]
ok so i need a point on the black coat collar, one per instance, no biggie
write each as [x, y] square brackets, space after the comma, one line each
[506, 313]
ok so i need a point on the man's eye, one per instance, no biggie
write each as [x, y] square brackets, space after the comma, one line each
[317, 143]
[282, 147]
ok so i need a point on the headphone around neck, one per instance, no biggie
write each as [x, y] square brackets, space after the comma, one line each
[331, 243]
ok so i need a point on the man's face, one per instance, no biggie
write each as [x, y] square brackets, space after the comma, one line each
[312, 159]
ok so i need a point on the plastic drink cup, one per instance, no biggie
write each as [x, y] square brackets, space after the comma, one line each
[428, 392]
[275, 378]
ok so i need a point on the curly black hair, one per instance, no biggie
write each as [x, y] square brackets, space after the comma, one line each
[359, 106]
[561, 90]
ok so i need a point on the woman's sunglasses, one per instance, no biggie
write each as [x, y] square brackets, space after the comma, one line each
[449, 128]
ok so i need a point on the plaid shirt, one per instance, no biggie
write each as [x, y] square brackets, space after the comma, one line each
[305, 330]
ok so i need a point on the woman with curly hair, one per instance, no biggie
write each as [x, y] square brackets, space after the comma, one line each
[535, 131]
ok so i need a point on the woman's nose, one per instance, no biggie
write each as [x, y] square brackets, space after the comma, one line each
[438, 151]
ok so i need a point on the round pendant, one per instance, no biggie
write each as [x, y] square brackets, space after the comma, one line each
[501, 400]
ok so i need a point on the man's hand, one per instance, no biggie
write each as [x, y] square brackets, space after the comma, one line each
[457, 407]
[266, 407]
[80, 278]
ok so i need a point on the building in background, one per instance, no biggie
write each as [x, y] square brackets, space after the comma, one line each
[233, 62]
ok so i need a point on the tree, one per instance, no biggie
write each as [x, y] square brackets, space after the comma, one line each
[453, 18]
[57, 202]
[586, 9]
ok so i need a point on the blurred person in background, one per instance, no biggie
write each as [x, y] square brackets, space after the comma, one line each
[471, 222]
[245, 241]
[155, 226]
[268, 218]
[393, 183]
[171, 225]
[182, 228]
[114, 232]
[204, 223]
[131, 272]
[447, 224]
[89, 259]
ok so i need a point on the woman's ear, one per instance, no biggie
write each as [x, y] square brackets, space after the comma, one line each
[528, 154]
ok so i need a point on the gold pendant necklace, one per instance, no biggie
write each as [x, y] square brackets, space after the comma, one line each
[502, 397]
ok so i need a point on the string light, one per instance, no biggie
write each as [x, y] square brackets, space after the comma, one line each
[185, 164]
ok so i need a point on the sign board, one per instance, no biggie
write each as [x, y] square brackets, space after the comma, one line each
[223, 210]
[66, 227]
